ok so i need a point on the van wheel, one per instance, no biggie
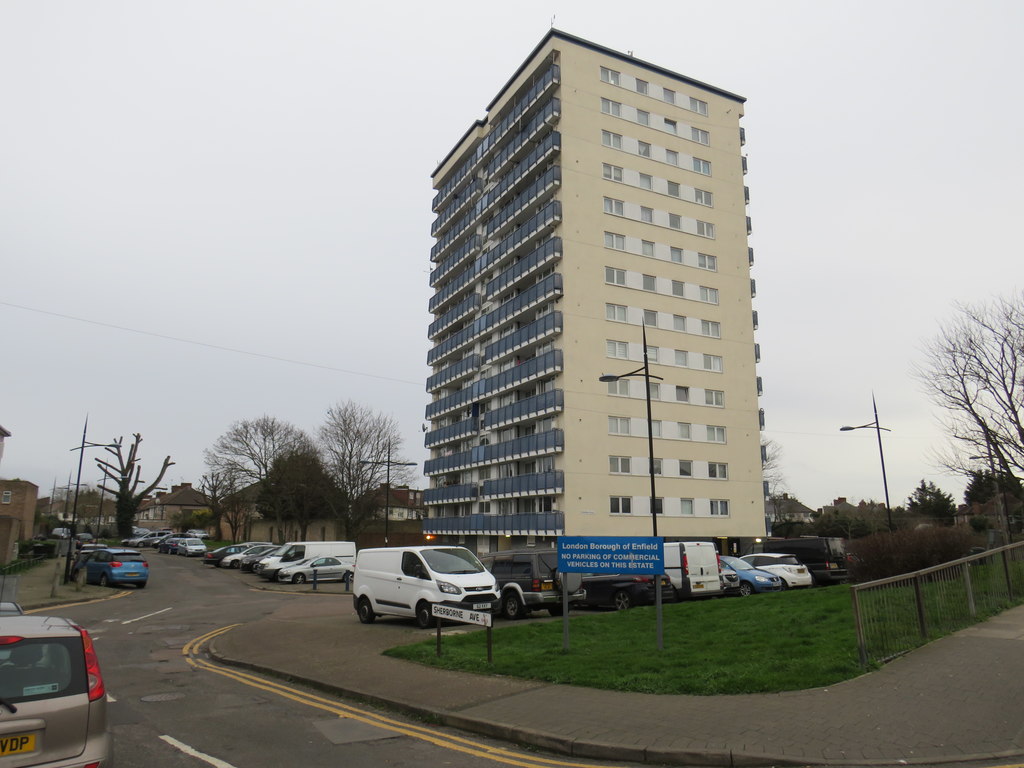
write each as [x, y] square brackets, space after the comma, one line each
[365, 611]
[622, 601]
[512, 607]
[424, 618]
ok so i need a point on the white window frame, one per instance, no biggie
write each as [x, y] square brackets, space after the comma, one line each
[614, 207]
[619, 388]
[609, 107]
[685, 468]
[714, 397]
[719, 507]
[706, 229]
[711, 328]
[708, 295]
[610, 76]
[712, 363]
[614, 275]
[702, 167]
[715, 434]
[616, 313]
[718, 470]
[698, 106]
[621, 505]
[613, 348]
[682, 394]
[700, 136]
[614, 241]
[650, 282]
[619, 465]
[611, 172]
[643, 149]
[707, 261]
[611, 139]
[619, 425]
[684, 430]
[643, 117]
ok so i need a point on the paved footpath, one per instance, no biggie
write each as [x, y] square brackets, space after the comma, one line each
[956, 699]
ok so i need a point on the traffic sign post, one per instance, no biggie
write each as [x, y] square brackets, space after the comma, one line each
[462, 616]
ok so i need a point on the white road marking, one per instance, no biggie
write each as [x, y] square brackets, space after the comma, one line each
[140, 618]
[217, 763]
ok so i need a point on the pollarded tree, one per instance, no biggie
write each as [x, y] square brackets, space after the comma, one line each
[125, 471]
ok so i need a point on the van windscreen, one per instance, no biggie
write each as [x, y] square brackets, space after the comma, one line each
[454, 560]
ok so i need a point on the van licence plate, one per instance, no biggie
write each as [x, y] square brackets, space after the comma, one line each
[17, 744]
[699, 585]
[481, 606]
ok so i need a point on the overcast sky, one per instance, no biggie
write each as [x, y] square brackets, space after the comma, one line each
[214, 210]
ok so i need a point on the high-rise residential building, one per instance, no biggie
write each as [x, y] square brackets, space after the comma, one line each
[600, 200]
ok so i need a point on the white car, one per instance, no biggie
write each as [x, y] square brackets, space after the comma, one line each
[792, 572]
[197, 533]
[235, 560]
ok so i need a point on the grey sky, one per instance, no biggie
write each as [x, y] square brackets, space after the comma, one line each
[254, 176]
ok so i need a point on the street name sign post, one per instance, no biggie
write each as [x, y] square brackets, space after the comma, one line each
[462, 616]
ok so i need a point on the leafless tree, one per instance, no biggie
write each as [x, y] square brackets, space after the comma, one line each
[353, 434]
[771, 469]
[125, 471]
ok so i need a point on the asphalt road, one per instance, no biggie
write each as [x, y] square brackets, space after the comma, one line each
[171, 705]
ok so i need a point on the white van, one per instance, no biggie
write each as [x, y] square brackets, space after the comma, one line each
[295, 551]
[693, 568]
[406, 581]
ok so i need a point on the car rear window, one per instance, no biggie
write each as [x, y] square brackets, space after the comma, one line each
[45, 668]
[130, 558]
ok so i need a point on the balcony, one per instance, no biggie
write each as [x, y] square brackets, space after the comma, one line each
[548, 288]
[520, 109]
[452, 290]
[548, 253]
[754, 317]
[452, 316]
[454, 402]
[530, 524]
[760, 387]
[538, 484]
[551, 144]
[460, 370]
[547, 326]
[451, 432]
[510, 212]
[529, 370]
[519, 145]
[451, 494]
[743, 136]
[454, 261]
[530, 407]
[541, 444]
[750, 256]
[524, 235]
[457, 206]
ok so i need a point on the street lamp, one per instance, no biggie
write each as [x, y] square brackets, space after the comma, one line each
[878, 431]
[74, 507]
[388, 464]
[645, 370]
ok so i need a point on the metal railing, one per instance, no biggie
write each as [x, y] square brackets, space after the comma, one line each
[900, 613]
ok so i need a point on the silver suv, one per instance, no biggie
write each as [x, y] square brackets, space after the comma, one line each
[53, 707]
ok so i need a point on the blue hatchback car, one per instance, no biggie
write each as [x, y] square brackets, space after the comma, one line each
[110, 566]
[752, 579]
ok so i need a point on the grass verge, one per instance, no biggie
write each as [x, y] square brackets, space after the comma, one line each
[762, 644]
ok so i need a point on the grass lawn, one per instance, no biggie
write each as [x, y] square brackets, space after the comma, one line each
[761, 644]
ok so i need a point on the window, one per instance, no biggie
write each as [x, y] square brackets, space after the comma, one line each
[671, 126]
[655, 429]
[719, 508]
[682, 358]
[711, 328]
[652, 354]
[612, 240]
[618, 465]
[685, 468]
[705, 229]
[700, 166]
[710, 295]
[655, 390]
[701, 197]
[615, 276]
[676, 254]
[612, 206]
[618, 425]
[647, 248]
[609, 76]
[6, 497]
[650, 318]
[701, 137]
[646, 214]
[718, 471]
[619, 388]
[641, 87]
[707, 261]
[657, 466]
[698, 106]
[669, 96]
[642, 117]
[650, 283]
[716, 434]
[679, 323]
[684, 430]
[678, 288]
[683, 394]
[675, 221]
[713, 363]
[646, 181]
[686, 507]
[613, 140]
[621, 505]
[615, 312]
[619, 349]
[643, 149]
[610, 107]
[612, 172]
[671, 157]
[714, 397]
[673, 189]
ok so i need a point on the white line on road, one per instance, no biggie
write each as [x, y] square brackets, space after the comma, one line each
[217, 763]
[155, 613]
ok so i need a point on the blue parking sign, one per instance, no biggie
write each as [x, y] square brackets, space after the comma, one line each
[611, 554]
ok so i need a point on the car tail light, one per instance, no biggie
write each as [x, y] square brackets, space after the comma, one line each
[145, 564]
[686, 567]
[10, 639]
[116, 564]
[535, 585]
[643, 579]
[92, 668]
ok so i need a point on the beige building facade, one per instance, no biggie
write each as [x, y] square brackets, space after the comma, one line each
[602, 199]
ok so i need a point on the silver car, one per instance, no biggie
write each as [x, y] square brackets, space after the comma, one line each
[327, 569]
[191, 547]
[53, 703]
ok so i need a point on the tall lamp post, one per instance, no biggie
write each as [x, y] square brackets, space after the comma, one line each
[645, 371]
[878, 431]
[388, 464]
[74, 506]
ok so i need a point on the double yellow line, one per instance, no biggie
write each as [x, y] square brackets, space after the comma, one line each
[193, 650]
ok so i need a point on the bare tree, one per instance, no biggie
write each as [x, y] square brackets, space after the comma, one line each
[126, 474]
[358, 445]
[974, 369]
[775, 481]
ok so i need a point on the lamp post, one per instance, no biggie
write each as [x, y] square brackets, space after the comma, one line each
[878, 431]
[388, 464]
[645, 370]
[74, 506]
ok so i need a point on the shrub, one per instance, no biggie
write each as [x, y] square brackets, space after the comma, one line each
[890, 554]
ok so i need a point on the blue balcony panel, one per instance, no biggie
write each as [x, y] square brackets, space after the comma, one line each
[530, 407]
[529, 524]
[537, 484]
[451, 494]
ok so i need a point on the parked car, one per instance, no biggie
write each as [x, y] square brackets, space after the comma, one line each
[693, 568]
[60, 533]
[108, 566]
[730, 579]
[169, 545]
[792, 572]
[54, 700]
[752, 580]
[624, 590]
[327, 569]
[234, 560]
[824, 556]
[297, 551]
[215, 556]
[528, 580]
[249, 562]
[197, 533]
[9, 608]
[191, 547]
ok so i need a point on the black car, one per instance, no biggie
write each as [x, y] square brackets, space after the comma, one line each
[528, 580]
[624, 590]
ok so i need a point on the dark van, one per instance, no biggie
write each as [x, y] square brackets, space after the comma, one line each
[825, 557]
